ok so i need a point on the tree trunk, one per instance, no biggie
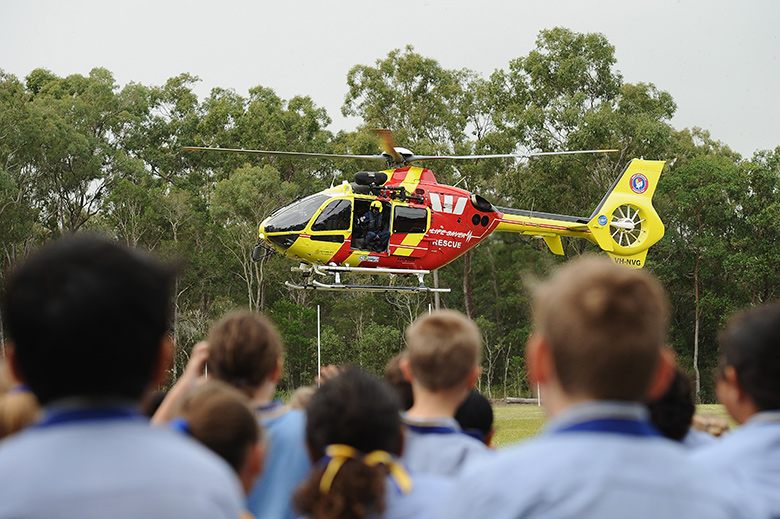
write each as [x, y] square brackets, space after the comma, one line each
[696, 329]
[468, 297]
[494, 274]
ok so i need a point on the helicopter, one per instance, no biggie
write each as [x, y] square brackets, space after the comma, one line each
[426, 225]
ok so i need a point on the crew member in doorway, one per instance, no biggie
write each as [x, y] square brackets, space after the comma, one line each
[376, 238]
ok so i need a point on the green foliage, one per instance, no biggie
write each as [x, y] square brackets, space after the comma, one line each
[79, 152]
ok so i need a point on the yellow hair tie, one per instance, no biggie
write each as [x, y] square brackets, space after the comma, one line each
[397, 471]
[338, 454]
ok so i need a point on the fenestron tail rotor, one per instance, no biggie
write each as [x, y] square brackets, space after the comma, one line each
[626, 225]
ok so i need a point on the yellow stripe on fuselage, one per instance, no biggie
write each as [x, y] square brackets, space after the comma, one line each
[411, 180]
[541, 226]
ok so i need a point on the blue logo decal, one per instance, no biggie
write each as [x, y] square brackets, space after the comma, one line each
[602, 220]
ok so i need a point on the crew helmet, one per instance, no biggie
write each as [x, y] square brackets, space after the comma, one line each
[376, 204]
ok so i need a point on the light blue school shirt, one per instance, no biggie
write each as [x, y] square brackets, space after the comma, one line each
[597, 460]
[86, 462]
[286, 462]
[424, 501]
[749, 457]
[438, 446]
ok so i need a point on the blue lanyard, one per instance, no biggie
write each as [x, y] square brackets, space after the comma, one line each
[91, 414]
[614, 426]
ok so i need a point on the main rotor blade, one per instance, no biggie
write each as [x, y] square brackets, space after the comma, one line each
[420, 158]
[387, 143]
[288, 153]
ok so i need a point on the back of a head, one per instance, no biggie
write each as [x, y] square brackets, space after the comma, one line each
[395, 377]
[475, 415]
[218, 416]
[357, 409]
[353, 410]
[86, 317]
[605, 325]
[443, 349]
[244, 349]
[750, 345]
[673, 413]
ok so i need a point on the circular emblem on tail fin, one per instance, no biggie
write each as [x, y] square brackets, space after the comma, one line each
[638, 183]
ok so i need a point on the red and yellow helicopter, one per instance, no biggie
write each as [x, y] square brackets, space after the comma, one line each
[426, 225]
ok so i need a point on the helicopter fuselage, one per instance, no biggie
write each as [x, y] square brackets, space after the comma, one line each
[432, 224]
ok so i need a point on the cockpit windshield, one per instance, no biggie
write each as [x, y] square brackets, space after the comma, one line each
[296, 216]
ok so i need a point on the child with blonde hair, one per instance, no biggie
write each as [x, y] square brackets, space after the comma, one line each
[442, 364]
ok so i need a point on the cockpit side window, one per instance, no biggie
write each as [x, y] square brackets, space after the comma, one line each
[410, 220]
[295, 216]
[335, 217]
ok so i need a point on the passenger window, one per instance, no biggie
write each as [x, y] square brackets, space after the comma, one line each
[410, 220]
[335, 217]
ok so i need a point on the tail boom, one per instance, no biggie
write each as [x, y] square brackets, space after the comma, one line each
[624, 224]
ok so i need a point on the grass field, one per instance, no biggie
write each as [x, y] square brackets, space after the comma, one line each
[516, 422]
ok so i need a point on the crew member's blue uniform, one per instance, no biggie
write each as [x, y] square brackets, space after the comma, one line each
[84, 462]
[439, 446]
[375, 235]
[750, 459]
[595, 460]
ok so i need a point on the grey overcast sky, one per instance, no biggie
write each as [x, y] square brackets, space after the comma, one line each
[717, 58]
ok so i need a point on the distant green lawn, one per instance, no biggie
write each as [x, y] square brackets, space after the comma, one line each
[516, 422]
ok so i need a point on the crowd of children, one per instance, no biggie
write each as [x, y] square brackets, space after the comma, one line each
[87, 321]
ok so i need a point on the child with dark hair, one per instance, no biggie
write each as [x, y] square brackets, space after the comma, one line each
[354, 436]
[749, 388]
[475, 416]
[88, 322]
[673, 413]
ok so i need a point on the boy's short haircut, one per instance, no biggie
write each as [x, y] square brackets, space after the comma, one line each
[443, 348]
[244, 349]
[605, 325]
[218, 416]
[751, 345]
[87, 317]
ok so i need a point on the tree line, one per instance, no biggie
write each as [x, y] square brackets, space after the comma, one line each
[83, 153]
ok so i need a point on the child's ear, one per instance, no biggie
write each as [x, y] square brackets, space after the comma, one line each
[276, 374]
[537, 359]
[252, 467]
[12, 363]
[162, 362]
[663, 376]
[732, 395]
[406, 369]
[471, 381]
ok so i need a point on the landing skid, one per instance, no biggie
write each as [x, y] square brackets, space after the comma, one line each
[337, 286]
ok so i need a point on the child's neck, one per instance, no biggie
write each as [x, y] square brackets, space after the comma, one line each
[264, 393]
[436, 404]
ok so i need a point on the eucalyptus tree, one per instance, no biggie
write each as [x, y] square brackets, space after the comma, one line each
[80, 124]
[700, 197]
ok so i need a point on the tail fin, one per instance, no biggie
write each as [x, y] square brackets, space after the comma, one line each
[625, 223]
